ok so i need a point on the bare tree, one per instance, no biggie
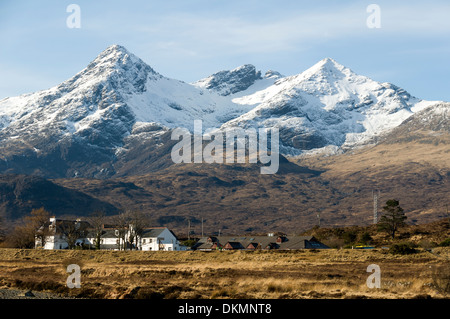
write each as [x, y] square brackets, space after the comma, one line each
[22, 236]
[138, 222]
[38, 224]
[97, 221]
[72, 230]
[30, 229]
[121, 224]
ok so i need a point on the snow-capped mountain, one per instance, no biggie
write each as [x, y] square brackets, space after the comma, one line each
[90, 123]
[329, 107]
[430, 126]
[88, 118]
[237, 80]
[116, 83]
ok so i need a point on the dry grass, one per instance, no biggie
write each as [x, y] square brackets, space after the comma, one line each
[236, 274]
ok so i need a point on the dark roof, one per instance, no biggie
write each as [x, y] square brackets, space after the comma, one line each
[156, 231]
[61, 225]
[110, 232]
[152, 232]
[234, 245]
[242, 242]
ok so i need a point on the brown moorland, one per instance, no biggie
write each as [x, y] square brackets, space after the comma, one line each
[238, 201]
[330, 273]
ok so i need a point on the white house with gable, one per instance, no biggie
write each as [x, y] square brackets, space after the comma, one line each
[156, 238]
[160, 238]
[60, 233]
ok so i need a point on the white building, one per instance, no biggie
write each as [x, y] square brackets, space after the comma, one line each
[60, 231]
[160, 238]
[156, 238]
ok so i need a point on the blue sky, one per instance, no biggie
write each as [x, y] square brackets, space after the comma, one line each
[191, 39]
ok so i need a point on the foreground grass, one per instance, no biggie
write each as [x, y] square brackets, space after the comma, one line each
[228, 274]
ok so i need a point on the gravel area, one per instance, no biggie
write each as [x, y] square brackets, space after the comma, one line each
[27, 294]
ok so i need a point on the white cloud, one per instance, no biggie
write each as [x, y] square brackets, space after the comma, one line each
[201, 35]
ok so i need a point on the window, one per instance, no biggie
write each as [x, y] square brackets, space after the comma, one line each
[143, 241]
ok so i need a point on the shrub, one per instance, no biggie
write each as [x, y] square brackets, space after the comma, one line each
[189, 243]
[402, 249]
[334, 242]
[349, 237]
[445, 243]
[365, 238]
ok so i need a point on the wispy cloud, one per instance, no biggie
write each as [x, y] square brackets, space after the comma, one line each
[187, 39]
[204, 34]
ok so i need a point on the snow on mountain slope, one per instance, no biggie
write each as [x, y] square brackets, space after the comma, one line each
[230, 82]
[118, 104]
[430, 125]
[91, 117]
[117, 79]
[327, 105]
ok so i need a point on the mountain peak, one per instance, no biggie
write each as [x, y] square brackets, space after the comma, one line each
[118, 102]
[271, 74]
[115, 51]
[116, 56]
[327, 65]
[116, 65]
[116, 47]
[326, 70]
[231, 81]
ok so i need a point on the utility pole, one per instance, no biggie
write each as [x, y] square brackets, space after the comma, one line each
[375, 196]
[318, 217]
[189, 229]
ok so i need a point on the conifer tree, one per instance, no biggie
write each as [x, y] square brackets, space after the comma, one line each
[393, 218]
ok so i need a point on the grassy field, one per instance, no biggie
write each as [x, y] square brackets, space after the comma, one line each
[332, 273]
